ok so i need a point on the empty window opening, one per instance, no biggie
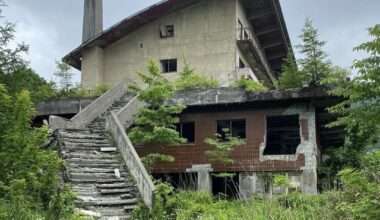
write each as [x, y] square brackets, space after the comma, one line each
[167, 31]
[169, 65]
[225, 187]
[187, 130]
[283, 135]
[241, 64]
[181, 181]
[235, 127]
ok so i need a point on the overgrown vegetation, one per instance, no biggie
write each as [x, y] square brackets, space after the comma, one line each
[223, 145]
[29, 180]
[155, 126]
[314, 65]
[190, 79]
[250, 85]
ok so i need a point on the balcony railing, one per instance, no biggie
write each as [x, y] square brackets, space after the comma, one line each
[246, 34]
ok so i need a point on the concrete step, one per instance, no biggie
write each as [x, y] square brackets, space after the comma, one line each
[93, 170]
[107, 202]
[81, 161]
[112, 185]
[100, 156]
[86, 140]
[116, 191]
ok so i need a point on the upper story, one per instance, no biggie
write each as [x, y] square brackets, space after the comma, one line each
[223, 39]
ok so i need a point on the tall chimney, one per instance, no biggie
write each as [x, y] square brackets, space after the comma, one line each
[92, 19]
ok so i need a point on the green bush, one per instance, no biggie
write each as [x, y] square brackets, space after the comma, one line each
[192, 80]
[250, 85]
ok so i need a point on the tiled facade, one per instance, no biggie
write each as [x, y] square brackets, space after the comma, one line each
[247, 158]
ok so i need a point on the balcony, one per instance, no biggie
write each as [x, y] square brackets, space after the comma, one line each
[250, 48]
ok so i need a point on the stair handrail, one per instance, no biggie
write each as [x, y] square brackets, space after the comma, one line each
[132, 160]
[93, 110]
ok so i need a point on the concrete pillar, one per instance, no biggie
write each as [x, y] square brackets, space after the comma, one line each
[250, 183]
[204, 177]
[92, 19]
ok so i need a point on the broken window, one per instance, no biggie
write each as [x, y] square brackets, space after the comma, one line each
[167, 31]
[235, 127]
[187, 130]
[169, 65]
[283, 135]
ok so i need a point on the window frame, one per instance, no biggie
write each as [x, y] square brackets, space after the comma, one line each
[169, 30]
[267, 134]
[180, 131]
[230, 127]
[166, 62]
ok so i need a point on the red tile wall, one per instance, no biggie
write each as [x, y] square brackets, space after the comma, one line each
[246, 157]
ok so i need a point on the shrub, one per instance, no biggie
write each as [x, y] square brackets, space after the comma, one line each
[192, 80]
[250, 85]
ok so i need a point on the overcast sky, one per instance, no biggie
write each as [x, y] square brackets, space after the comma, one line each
[53, 28]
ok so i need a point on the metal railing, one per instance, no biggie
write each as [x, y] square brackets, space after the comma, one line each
[247, 34]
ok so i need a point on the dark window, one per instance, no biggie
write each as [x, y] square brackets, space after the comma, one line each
[169, 65]
[283, 135]
[187, 130]
[235, 127]
[167, 31]
[241, 64]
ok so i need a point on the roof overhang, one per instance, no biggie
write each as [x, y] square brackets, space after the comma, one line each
[270, 29]
[263, 14]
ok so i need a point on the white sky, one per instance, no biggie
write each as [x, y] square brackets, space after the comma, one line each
[53, 28]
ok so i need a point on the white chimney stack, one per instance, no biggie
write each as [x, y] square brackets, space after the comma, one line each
[92, 19]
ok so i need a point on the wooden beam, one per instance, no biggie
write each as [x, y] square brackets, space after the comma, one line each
[276, 56]
[272, 43]
[266, 30]
[260, 13]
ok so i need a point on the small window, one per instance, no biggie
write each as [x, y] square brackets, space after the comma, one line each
[169, 65]
[187, 130]
[167, 31]
[283, 135]
[235, 127]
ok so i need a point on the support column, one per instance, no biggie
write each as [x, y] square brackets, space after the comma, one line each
[92, 19]
[204, 177]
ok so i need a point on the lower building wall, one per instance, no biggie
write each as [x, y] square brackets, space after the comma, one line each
[249, 159]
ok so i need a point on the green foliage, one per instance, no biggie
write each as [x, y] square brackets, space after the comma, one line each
[65, 77]
[26, 79]
[192, 80]
[28, 174]
[223, 147]
[100, 89]
[162, 208]
[151, 159]
[314, 62]
[156, 125]
[291, 77]
[10, 58]
[359, 112]
[360, 198]
[250, 85]
[281, 180]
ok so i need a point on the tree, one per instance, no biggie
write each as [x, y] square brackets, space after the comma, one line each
[291, 77]
[10, 58]
[314, 63]
[65, 77]
[360, 110]
[223, 147]
[155, 126]
[26, 79]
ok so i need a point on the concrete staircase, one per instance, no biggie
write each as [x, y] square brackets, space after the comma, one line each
[95, 169]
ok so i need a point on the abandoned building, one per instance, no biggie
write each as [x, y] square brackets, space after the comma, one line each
[223, 39]
[284, 130]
